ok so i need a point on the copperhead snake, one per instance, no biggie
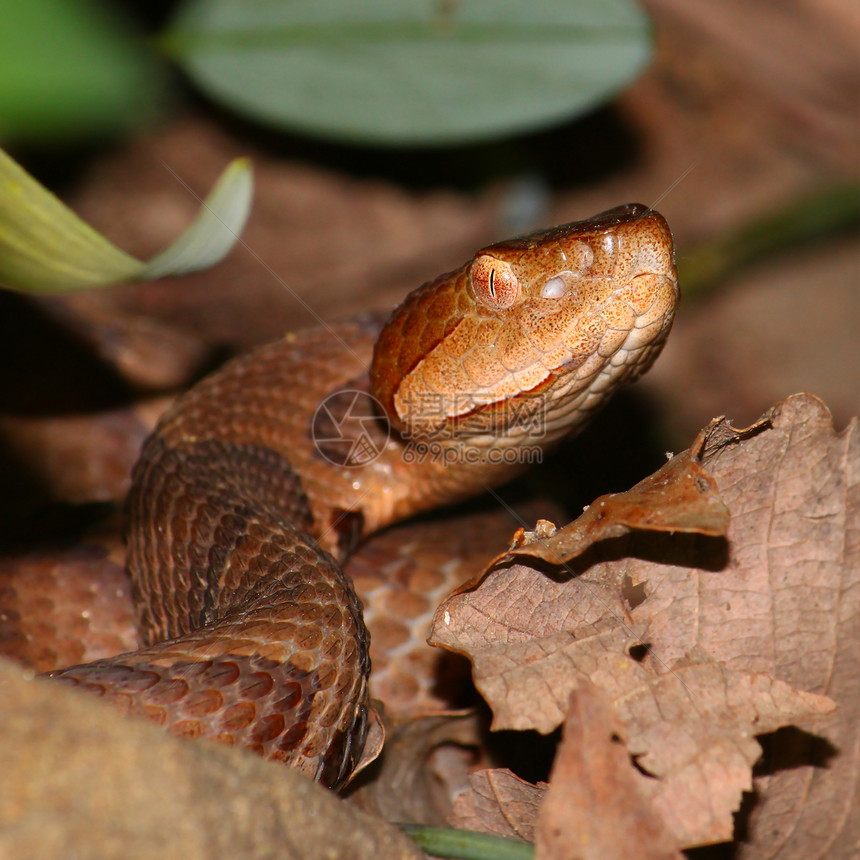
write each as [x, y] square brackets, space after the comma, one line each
[242, 507]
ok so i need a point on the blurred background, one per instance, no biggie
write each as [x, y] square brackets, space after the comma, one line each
[384, 156]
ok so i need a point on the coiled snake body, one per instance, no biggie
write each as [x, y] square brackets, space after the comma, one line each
[251, 633]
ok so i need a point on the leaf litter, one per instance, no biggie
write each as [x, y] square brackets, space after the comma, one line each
[670, 627]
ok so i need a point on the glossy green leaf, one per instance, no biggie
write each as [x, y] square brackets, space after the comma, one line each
[45, 247]
[69, 69]
[410, 71]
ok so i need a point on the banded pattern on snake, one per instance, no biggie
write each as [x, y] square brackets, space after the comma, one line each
[237, 519]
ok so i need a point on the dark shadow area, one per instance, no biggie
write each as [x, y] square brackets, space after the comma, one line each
[635, 760]
[619, 447]
[22, 492]
[529, 754]
[723, 851]
[681, 550]
[749, 799]
[578, 153]
[151, 16]
[635, 595]
[790, 747]
[47, 368]
[639, 652]
[48, 371]
[453, 681]
[46, 527]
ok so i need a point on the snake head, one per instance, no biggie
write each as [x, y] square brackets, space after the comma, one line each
[544, 325]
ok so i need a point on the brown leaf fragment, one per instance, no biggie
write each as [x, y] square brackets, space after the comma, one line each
[497, 801]
[595, 807]
[373, 742]
[532, 639]
[680, 497]
[147, 353]
[543, 530]
[79, 458]
[694, 727]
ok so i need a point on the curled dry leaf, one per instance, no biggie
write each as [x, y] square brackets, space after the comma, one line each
[497, 801]
[701, 644]
[680, 497]
[524, 619]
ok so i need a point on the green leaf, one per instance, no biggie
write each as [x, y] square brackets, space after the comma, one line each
[68, 69]
[45, 247]
[410, 71]
[467, 844]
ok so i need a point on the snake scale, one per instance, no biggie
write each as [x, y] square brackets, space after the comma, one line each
[238, 518]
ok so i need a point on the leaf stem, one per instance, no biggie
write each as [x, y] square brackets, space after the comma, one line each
[466, 844]
[821, 215]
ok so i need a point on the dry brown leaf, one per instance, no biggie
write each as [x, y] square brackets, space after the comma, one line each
[680, 497]
[787, 604]
[596, 808]
[694, 728]
[497, 801]
[533, 639]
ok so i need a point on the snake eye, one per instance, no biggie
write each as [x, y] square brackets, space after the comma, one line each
[494, 282]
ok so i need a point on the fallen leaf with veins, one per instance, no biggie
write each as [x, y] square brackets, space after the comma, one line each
[596, 805]
[629, 612]
[694, 728]
[498, 801]
[787, 604]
